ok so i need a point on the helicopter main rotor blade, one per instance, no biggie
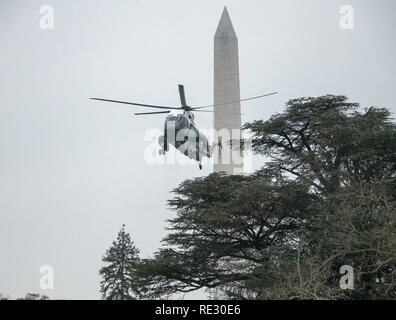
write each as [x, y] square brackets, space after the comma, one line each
[223, 104]
[182, 95]
[136, 104]
[148, 113]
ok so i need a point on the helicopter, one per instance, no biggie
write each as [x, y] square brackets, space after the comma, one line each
[180, 130]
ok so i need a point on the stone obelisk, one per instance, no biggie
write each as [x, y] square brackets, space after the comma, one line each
[227, 117]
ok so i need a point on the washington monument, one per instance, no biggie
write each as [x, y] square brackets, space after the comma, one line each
[227, 118]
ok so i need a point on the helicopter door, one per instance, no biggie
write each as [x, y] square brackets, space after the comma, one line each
[170, 132]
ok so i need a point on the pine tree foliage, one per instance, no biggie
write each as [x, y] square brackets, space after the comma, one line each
[118, 273]
[34, 296]
[3, 297]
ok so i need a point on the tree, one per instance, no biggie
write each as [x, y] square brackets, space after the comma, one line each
[3, 297]
[225, 227]
[349, 159]
[118, 273]
[326, 142]
[359, 233]
[34, 296]
[325, 198]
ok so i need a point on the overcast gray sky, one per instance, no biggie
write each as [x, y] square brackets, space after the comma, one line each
[72, 171]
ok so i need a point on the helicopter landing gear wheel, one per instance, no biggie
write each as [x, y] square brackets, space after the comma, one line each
[200, 166]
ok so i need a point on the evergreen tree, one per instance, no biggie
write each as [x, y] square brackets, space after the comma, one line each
[3, 297]
[120, 259]
[34, 296]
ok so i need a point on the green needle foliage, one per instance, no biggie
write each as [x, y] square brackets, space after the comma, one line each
[118, 273]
